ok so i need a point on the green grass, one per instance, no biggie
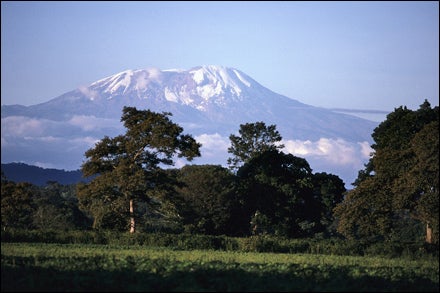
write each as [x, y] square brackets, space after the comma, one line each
[92, 267]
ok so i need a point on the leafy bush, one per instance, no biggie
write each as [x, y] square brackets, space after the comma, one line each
[258, 243]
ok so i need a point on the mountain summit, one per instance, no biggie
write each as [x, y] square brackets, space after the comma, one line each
[210, 102]
[200, 87]
[210, 96]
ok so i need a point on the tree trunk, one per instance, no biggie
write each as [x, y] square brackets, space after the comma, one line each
[428, 233]
[132, 223]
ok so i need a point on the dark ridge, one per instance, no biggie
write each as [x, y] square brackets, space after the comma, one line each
[20, 172]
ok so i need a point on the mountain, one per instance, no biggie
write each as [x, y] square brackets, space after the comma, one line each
[209, 102]
[19, 172]
[212, 97]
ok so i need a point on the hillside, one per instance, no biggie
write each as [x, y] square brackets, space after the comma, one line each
[20, 172]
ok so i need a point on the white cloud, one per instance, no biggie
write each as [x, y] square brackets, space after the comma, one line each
[334, 151]
[89, 123]
[335, 156]
[62, 144]
[87, 140]
[366, 149]
[49, 139]
[23, 126]
[142, 81]
[89, 93]
[325, 151]
[139, 79]
[45, 165]
[48, 143]
[213, 144]
[179, 163]
[213, 141]
[154, 73]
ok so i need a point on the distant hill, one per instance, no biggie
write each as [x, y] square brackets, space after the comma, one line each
[20, 172]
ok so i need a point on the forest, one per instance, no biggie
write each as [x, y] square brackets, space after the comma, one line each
[264, 191]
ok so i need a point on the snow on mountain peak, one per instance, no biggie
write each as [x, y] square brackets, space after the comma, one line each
[129, 80]
[201, 87]
[219, 74]
[215, 80]
[241, 78]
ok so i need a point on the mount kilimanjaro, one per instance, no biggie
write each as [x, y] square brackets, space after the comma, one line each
[209, 102]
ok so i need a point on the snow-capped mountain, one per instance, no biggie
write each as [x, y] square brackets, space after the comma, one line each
[209, 102]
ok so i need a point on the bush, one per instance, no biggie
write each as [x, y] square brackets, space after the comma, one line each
[258, 243]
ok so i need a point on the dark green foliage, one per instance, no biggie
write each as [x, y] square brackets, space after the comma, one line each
[207, 199]
[53, 206]
[254, 139]
[257, 243]
[127, 167]
[56, 207]
[278, 193]
[265, 193]
[277, 187]
[328, 190]
[128, 274]
[281, 196]
[400, 180]
[17, 205]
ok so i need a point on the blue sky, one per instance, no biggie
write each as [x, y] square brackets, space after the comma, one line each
[362, 55]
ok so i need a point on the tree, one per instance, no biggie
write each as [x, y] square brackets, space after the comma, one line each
[418, 189]
[254, 139]
[328, 190]
[208, 194]
[400, 179]
[17, 206]
[127, 165]
[56, 208]
[366, 212]
[277, 191]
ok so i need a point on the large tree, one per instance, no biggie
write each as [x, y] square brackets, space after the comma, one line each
[400, 179]
[253, 139]
[208, 199]
[127, 166]
[277, 194]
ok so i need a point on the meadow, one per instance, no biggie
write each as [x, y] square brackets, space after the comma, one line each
[111, 267]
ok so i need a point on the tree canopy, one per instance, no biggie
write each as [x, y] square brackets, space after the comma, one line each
[400, 179]
[127, 165]
[253, 139]
[208, 199]
[278, 192]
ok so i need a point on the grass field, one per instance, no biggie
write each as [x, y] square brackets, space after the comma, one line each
[92, 267]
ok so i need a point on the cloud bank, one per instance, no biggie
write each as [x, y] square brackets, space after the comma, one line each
[62, 144]
[335, 156]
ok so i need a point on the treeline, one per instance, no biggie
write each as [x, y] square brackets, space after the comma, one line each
[197, 199]
[263, 192]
